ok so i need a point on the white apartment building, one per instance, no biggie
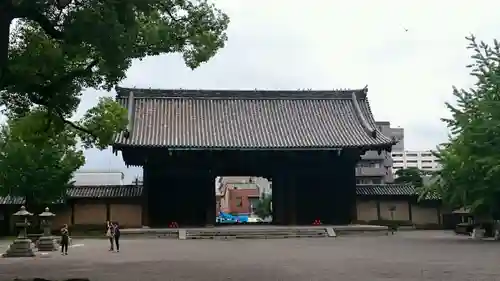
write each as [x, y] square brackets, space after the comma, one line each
[97, 177]
[423, 160]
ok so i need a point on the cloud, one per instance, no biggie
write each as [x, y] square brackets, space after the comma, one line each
[339, 44]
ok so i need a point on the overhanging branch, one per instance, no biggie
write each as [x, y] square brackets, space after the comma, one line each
[28, 12]
[77, 127]
[69, 77]
[58, 84]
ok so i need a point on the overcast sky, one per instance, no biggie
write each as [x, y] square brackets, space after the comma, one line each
[330, 44]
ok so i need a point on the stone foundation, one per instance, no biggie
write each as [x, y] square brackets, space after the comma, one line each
[20, 248]
[47, 244]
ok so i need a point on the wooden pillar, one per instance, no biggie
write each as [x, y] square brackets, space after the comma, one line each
[347, 166]
[438, 209]
[291, 200]
[379, 216]
[410, 214]
[211, 201]
[72, 212]
[351, 180]
[278, 200]
[146, 185]
[108, 211]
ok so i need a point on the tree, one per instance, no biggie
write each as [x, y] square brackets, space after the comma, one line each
[470, 173]
[37, 166]
[59, 47]
[410, 175]
[263, 209]
[55, 49]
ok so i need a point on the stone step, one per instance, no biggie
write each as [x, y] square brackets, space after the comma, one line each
[263, 232]
[256, 234]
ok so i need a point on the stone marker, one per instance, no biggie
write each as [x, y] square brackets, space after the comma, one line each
[47, 243]
[21, 247]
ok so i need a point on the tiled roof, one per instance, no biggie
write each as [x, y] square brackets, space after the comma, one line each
[105, 191]
[248, 119]
[80, 192]
[11, 200]
[385, 190]
[389, 190]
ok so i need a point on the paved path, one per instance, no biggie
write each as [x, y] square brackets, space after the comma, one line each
[403, 257]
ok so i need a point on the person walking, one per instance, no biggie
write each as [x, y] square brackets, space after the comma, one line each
[116, 231]
[64, 240]
[110, 235]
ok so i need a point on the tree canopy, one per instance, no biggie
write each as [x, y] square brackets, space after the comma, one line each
[470, 160]
[263, 209]
[36, 164]
[409, 175]
[53, 49]
[59, 47]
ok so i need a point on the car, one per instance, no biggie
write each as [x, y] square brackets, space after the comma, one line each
[255, 220]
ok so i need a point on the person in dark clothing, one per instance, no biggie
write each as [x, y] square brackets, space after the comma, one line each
[110, 235]
[116, 231]
[64, 240]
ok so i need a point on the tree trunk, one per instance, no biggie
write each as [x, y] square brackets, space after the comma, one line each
[5, 21]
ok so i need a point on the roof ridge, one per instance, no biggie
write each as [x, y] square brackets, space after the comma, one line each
[141, 93]
[362, 118]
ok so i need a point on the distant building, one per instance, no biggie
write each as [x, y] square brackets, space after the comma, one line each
[423, 160]
[375, 167]
[239, 195]
[98, 178]
[264, 186]
[399, 135]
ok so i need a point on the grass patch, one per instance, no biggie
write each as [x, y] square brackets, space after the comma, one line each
[8, 238]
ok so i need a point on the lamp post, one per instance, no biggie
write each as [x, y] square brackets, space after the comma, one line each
[47, 243]
[21, 247]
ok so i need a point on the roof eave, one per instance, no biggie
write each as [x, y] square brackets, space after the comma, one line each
[382, 146]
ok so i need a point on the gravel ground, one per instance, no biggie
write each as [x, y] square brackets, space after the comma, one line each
[412, 255]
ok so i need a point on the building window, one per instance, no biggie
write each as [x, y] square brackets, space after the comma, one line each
[397, 155]
[368, 165]
[239, 201]
[411, 155]
[411, 161]
[427, 167]
[397, 161]
[363, 181]
[426, 155]
[426, 161]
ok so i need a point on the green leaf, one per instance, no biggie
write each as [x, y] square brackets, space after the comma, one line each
[36, 163]
[470, 160]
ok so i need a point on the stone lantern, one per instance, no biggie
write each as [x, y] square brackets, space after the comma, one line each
[47, 243]
[21, 247]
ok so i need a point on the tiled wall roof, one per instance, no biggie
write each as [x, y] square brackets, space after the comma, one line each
[11, 200]
[108, 191]
[80, 192]
[389, 190]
